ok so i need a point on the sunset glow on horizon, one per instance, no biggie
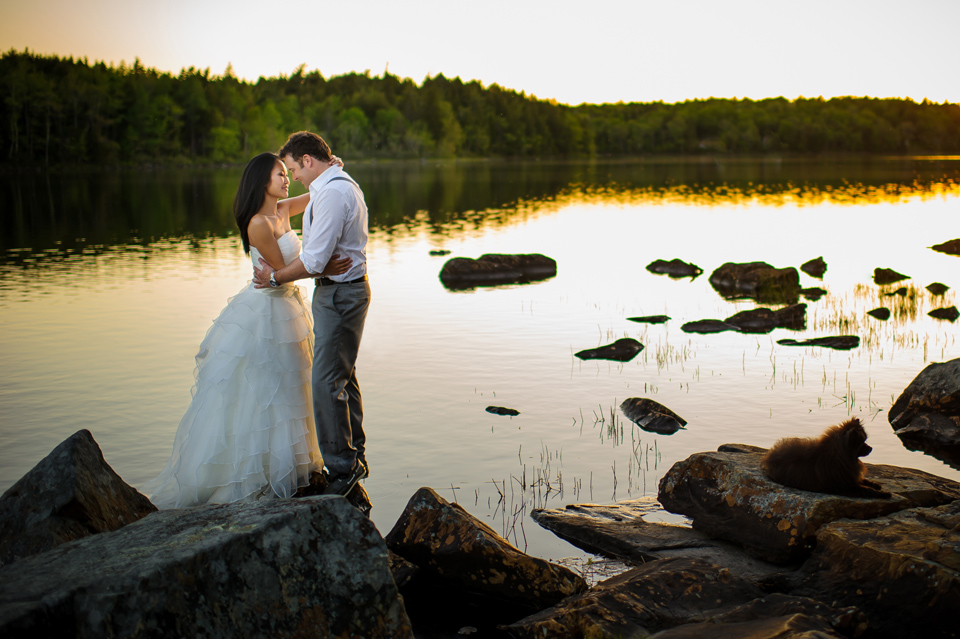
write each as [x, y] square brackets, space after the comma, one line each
[615, 51]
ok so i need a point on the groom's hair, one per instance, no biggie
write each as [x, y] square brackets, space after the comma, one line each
[304, 143]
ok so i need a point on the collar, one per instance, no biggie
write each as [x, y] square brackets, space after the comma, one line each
[325, 177]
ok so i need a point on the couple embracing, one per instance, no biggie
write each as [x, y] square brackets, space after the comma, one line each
[276, 394]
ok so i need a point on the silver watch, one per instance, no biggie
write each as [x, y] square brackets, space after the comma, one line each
[273, 280]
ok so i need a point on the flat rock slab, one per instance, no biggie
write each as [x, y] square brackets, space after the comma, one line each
[706, 326]
[650, 319]
[727, 495]
[836, 342]
[72, 493]
[502, 410]
[496, 269]
[675, 268]
[798, 626]
[622, 350]
[903, 572]
[883, 276]
[619, 531]
[951, 247]
[652, 416]
[279, 568]
[444, 540]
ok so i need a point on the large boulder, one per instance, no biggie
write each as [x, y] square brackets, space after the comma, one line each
[757, 280]
[727, 495]
[279, 568]
[675, 268]
[926, 416]
[495, 269]
[445, 541]
[903, 571]
[622, 350]
[72, 493]
[620, 531]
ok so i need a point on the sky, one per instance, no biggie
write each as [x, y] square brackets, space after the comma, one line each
[573, 52]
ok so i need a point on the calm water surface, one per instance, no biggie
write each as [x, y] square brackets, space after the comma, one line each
[108, 282]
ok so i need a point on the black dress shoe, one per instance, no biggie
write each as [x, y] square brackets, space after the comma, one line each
[343, 484]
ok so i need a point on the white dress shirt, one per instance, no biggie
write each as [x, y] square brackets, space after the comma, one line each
[335, 222]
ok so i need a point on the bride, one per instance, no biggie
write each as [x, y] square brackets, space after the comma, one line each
[249, 430]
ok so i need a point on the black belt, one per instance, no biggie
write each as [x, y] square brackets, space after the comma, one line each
[326, 281]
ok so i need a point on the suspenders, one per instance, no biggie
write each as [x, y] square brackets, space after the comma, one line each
[345, 179]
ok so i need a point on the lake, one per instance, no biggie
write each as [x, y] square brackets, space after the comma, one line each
[109, 280]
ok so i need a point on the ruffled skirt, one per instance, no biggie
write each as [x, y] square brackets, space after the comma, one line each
[249, 430]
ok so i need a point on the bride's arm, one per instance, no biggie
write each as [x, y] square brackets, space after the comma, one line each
[261, 236]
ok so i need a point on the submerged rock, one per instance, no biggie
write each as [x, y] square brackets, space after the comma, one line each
[440, 252]
[837, 342]
[70, 494]
[276, 568]
[675, 268]
[814, 293]
[444, 540]
[649, 319]
[764, 320]
[937, 288]
[728, 496]
[901, 292]
[496, 269]
[880, 313]
[926, 416]
[622, 350]
[952, 247]
[949, 313]
[883, 276]
[652, 416]
[500, 410]
[757, 280]
[815, 267]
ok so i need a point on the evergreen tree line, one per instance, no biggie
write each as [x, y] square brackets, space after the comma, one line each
[60, 110]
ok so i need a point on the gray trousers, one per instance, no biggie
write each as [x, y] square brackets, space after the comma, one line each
[339, 313]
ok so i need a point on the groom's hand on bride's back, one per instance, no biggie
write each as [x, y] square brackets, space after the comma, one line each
[337, 266]
[261, 276]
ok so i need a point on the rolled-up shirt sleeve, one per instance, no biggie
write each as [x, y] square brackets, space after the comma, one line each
[328, 215]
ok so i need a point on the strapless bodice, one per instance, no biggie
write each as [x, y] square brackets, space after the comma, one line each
[289, 244]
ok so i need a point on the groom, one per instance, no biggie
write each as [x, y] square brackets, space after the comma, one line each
[334, 222]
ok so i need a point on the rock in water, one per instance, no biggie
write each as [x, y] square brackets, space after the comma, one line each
[815, 267]
[948, 313]
[278, 568]
[675, 268]
[937, 288]
[880, 313]
[757, 280]
[883, 276]
[622, 350]
[652, 416]
[952, 247]
[650, 319]
[444, 540]
[72, 493]
[496, 269]
[926, 416]
[500, 410]
[708, 326]
[837, 342]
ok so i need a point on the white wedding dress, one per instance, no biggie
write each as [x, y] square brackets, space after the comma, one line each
[249, 430]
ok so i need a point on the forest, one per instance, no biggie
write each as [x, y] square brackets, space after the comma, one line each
[59, 111]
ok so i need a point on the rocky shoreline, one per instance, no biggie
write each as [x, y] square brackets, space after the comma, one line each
[84, 554]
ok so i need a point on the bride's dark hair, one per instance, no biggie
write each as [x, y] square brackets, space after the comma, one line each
[252, 190]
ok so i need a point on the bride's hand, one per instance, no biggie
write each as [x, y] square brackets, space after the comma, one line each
[337, 266]
[335, 161]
